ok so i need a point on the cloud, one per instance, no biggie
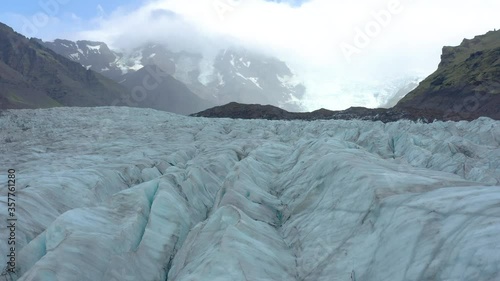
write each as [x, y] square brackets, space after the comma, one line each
[384, 38]
[100, 11]
[74, 17]
[162, 13]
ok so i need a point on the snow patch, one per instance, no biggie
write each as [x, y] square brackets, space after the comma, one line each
[254, 80]
[75, 56]
[220, 78]
[232, 60]
[135, 62]
[136, 66]
[245, 63]
[96, 48]
[288, 82]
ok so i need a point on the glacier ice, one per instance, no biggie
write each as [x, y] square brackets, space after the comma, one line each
[135, 194]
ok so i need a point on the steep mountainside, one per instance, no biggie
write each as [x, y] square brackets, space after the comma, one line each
[32, 76]
[467, 81]
[154, 88]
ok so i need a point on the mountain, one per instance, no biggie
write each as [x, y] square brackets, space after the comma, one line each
[467, 81]
[32, 76]
[251, 78]
[99, 57]
[234, 75]
[465, 86]
[155, 88]
[92, 55]
[125, 194]
[164, 93]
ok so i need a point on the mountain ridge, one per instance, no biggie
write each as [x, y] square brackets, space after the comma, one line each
[236, 74]
[33, 76]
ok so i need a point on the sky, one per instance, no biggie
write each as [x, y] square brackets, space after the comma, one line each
[346, 52]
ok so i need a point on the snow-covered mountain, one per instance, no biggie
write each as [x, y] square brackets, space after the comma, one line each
[92, 55]
[254, 78]
[116, 193]
[393, 90]
[234, 75]
[146, 72]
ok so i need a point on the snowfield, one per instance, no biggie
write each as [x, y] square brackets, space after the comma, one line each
[123, 194]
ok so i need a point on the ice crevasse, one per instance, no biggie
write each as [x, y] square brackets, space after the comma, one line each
[135, 194]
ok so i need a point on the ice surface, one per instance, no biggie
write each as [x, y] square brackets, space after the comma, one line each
[136, 194]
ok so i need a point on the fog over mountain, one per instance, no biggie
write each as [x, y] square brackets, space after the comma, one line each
[345, 52]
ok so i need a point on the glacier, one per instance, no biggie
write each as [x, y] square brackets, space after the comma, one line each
[116, 193]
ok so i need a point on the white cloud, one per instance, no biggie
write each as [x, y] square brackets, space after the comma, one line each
[100, 11]
[75, 18]
[309, 37]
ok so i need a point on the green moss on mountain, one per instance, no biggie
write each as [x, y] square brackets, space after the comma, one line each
[467, 81]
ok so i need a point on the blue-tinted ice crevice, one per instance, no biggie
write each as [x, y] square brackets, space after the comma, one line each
[158, 196]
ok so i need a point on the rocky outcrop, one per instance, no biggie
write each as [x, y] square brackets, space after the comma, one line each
[269, 112]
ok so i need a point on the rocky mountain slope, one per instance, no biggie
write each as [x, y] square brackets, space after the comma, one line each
[234, 75]
[154, 88]
[32, 76]
[467, 81]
